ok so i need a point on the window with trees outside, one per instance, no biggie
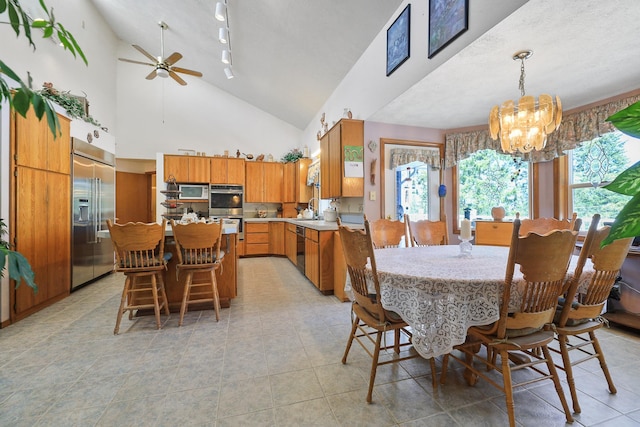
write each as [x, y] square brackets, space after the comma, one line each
[488, 178]
[594, 164]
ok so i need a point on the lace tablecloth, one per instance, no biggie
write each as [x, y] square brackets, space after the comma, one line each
[440, 295]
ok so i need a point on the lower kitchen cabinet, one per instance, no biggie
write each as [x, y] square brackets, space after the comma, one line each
[339, 268]
[291, 243]
[319, 259]
[276, 238]
[256, 238]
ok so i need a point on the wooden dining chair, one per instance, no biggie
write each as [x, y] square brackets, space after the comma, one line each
[386, 233]
[544, 225]
[578, 315]
[139, 249]
[427, 233]
[370, 321]
[543, 261]
[198, 247]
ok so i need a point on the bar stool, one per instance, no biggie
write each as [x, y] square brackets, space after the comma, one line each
[198, 247]
[139, 251]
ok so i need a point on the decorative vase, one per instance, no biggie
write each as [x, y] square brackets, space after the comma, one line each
[497, 213]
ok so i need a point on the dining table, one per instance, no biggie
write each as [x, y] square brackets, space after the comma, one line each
[440, 294]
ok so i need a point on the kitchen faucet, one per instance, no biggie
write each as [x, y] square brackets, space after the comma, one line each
[311, 208]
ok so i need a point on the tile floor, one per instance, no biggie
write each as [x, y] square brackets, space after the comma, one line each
[272, 360]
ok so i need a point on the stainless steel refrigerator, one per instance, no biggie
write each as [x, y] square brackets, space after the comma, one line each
[93, 203]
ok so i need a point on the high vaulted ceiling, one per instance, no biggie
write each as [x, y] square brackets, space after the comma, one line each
[290, 55]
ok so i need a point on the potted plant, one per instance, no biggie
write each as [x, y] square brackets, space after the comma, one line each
[627, 222]
[21, 98]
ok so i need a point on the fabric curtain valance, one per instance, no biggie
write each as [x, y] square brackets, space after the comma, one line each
[575, 128]
[403, 156]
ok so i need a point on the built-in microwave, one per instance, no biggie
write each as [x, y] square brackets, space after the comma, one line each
[194, 191]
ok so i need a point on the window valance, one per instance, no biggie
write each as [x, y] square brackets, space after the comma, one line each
[402, 156]
[575, 128]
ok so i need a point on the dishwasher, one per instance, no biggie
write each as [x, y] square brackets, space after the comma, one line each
[300, 248]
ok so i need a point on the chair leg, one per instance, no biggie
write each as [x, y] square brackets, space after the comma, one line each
[508, 386]
[216, 296]
[156, 305]
[163, 293]
[185, 296]
[603, 363]
[443, 373]
[396, 337]
[130, 294]
[125, 290]
[556, 381]
[434, 380]
[568, 370]
[354, 328]
[374, 365]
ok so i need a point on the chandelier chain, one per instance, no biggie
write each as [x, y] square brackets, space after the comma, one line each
[521, 83]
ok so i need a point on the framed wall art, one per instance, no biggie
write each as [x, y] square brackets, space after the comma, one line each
[398, 35]
[447, 20]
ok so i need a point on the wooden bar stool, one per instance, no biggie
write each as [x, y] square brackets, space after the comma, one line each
[139, 251]
[198, 247]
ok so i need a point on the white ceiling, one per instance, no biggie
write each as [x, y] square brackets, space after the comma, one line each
[290, 55]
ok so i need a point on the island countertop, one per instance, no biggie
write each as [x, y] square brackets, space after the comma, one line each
[315, 224]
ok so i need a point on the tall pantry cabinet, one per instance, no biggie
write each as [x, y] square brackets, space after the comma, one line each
[41, 210]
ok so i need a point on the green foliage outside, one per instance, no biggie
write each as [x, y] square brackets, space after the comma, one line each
[488, 179]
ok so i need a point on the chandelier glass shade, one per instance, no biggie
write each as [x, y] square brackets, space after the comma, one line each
[524, 126]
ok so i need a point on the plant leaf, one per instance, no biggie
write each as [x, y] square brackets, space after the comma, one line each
[48, 32]
[627, 223]
[627, 120]
[39, 23]
[52, 118]
[38, 105]
[627, 183]
[19, 268]
[78, 49]
[14, 19]
[3, 6]
[21, 101]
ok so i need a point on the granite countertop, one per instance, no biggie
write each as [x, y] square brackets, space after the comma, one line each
[316, 224]
[226, 229]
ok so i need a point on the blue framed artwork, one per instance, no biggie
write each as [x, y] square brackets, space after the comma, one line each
[398, 40]
[447, 20]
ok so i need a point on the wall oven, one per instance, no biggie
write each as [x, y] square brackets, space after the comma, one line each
[225, 201]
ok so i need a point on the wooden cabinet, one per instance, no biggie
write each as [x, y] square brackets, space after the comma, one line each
[225, 170]
[256, 238]
[41, 211]
[346, 136]
[295, 188]
[339, 268]
[496, 233]
[291, 243]
[192, 169]
[276, 238]
[264, 182]
[319, 259]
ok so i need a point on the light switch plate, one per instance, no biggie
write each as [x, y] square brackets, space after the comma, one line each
[372, 195]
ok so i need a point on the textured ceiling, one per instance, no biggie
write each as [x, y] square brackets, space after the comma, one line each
[290, 55]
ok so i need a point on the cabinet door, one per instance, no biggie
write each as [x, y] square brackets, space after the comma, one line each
[32, 138]
[235, 171]
[199, 169]
[253, 193]
[325, 190]
[218, 169]
[289, 183]
[335, 162]
[59, 149]
[304, 192]
[312, 261]
[276, 238]
[178, 166]
[273, 176]
[58, 242]
[352, 134]
[291, 243]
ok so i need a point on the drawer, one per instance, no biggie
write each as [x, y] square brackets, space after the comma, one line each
[256, 248]
[256, 238]
[310, 233]
[494, 233]
[291, 227]
[256, 227]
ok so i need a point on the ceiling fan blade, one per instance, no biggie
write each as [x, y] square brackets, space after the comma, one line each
[177, 78]
[136, 62]
[185, 71]
[152, 75]
[173, 58]
[145, 53]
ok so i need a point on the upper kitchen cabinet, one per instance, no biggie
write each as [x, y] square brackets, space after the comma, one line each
[295, 188]
[192, 169]
[225, 170]
[264, 182]
[37, 148]
[341, 160]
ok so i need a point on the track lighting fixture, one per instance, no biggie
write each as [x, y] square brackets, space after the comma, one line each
[228, 72]
[223, 35]
[221, 11]
[226, 56]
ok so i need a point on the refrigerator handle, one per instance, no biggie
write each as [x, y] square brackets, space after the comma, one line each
[99, 205]
[94, 215]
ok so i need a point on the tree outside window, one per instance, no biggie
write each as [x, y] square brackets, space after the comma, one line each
[487, 179]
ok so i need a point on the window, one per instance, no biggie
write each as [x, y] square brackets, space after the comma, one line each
[487, 179]
[594, 164]
[412, 191]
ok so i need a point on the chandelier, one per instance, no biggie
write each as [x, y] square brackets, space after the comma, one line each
[525, 127]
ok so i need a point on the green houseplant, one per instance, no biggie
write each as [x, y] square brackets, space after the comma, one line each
[22, 97]
[627, 222]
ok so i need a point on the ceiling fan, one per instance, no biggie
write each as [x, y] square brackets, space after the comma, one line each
[163, 67]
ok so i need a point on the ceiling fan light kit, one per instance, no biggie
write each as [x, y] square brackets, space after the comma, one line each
[163, 66]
